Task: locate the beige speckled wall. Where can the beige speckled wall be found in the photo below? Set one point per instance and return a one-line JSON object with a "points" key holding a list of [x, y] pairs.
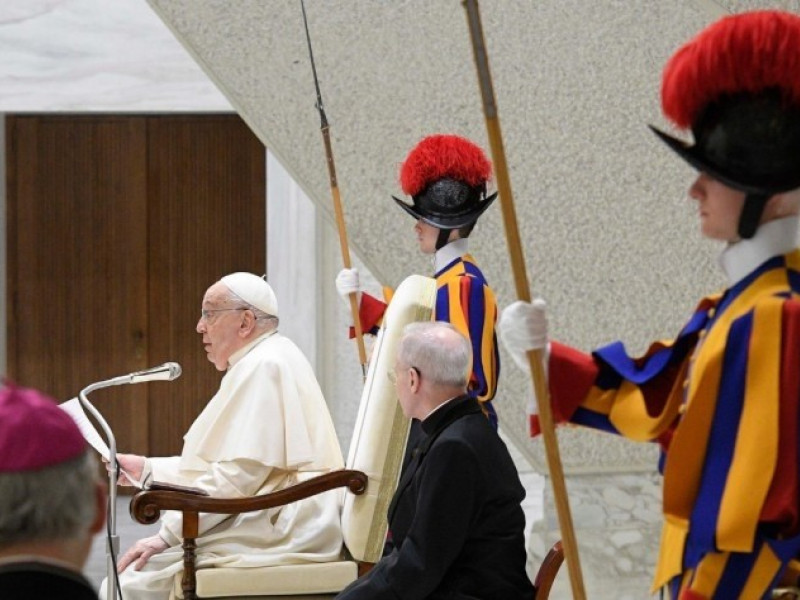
{"points": [[611, 238]]}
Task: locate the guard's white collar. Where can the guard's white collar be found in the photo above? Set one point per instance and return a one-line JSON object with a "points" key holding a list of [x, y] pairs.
{"points": [[448, 253], [774, 238]]}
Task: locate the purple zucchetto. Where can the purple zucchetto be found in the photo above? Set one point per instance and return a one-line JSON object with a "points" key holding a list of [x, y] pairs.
{"points": [[34, 432]]}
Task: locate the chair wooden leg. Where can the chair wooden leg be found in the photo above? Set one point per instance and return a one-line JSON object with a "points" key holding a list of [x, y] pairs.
{"points": [[190, 531], [548, 571]]}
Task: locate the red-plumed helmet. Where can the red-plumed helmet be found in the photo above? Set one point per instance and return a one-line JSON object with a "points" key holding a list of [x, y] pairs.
{"points": [[446, 177], [737, 86]]}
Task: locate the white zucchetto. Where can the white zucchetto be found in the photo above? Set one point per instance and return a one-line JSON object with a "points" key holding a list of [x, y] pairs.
{"points": [[254, 290]]}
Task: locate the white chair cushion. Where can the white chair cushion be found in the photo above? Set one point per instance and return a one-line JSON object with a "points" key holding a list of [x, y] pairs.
{"points": [[309, 578]]}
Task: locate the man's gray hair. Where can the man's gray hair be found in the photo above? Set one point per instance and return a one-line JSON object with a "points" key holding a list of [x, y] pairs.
{"points": [[444, 359], [51, 504], [262, 319]]}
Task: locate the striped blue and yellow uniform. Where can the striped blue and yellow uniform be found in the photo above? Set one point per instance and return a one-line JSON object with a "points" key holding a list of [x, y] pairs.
{"points": [[464, 299], [722, 401]]}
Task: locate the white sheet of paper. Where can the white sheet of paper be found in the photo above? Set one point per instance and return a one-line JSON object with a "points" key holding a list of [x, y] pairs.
{"points": [[74, 409]]}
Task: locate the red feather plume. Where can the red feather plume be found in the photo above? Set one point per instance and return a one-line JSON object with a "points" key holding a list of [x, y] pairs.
{"points": [[439, 156], [749, 52]]}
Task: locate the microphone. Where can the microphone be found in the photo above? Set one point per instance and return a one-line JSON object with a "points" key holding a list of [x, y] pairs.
{"points": [[169, 371]]}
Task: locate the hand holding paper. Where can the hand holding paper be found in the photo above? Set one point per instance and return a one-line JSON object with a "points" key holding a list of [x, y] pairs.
{"points": [[74, 409], [132, 467]]}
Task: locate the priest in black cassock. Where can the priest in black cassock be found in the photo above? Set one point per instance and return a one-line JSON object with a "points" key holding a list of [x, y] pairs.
{"points": [[456, 521]]}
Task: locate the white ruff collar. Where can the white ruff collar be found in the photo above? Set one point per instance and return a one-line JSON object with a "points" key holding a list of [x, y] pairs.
{"points": [[774, 238], [448, 253]]}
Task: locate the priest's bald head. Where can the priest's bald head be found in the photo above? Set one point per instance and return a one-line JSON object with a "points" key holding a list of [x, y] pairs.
{"points": [[52, 500], [432, 366], [236, 310]]}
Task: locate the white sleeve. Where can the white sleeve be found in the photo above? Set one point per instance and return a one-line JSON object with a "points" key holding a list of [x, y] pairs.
{"points": [[164, 469]]}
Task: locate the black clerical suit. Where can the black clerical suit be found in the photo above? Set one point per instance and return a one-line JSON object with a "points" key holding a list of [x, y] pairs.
{"points": [[456, 521], [42, 581]]}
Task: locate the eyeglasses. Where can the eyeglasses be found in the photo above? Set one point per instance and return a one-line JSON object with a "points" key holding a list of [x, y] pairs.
{"points": [[205, 314]]}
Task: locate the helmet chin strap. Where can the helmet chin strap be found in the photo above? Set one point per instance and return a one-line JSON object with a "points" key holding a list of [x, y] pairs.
{"points": [[751, 214], [443, 238]]}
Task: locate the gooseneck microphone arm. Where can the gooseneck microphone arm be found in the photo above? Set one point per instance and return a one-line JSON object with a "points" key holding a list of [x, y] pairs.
{"points": [[166, 372]]}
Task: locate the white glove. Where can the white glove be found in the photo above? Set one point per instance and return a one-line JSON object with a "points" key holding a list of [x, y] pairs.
{"points": [[347, 282], [523, 327]]}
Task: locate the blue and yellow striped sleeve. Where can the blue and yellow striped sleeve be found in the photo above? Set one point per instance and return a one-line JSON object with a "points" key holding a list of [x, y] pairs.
{"points": [[638, 398]]}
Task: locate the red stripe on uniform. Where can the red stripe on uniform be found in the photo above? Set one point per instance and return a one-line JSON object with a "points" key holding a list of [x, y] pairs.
{"points": [[781, 504]]}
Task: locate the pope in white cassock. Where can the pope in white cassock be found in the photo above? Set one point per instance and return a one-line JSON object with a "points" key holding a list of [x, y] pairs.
{"points": [[266, 428]]}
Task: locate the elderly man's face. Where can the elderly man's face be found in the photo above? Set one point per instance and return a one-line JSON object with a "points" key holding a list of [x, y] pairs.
{"points": [[219, 325]]}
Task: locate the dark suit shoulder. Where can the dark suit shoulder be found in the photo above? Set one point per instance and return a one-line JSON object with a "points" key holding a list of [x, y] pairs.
{"points": [[43, 581]]}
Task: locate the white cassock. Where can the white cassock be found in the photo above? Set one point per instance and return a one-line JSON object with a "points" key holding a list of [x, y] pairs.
{"points": [[267, 428]]}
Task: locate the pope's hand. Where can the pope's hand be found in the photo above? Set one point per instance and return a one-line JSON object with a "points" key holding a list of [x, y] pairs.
{"points": [[523, 327], [133, 465], [347, 282], [141, 552]]}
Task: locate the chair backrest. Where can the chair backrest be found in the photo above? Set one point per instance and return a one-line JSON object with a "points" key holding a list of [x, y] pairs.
{"points": [[381, 431]]}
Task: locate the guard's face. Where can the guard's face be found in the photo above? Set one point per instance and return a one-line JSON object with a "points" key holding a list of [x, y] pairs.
{"points": [[219, 325], [426, 237], [719, 208]]}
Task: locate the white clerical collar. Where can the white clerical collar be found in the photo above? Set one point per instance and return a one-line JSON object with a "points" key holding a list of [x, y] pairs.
{"points": [[774, 238], [445, 403], [239, 354], [448, 253]]}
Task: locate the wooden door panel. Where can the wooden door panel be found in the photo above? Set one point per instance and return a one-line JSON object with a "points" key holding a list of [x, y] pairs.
{"points": [[77, 260]]}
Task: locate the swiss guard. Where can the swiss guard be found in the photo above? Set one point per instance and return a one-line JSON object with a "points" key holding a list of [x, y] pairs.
{"points": [[446, 177], [722, 398]]}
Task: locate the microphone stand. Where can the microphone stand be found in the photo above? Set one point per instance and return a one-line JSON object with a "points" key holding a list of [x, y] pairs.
{"points": [[112, 547], [166, 372]]}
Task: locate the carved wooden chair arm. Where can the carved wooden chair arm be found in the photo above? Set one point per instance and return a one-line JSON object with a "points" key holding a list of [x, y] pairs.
{"points": [[547, 572], [147, 505]]}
